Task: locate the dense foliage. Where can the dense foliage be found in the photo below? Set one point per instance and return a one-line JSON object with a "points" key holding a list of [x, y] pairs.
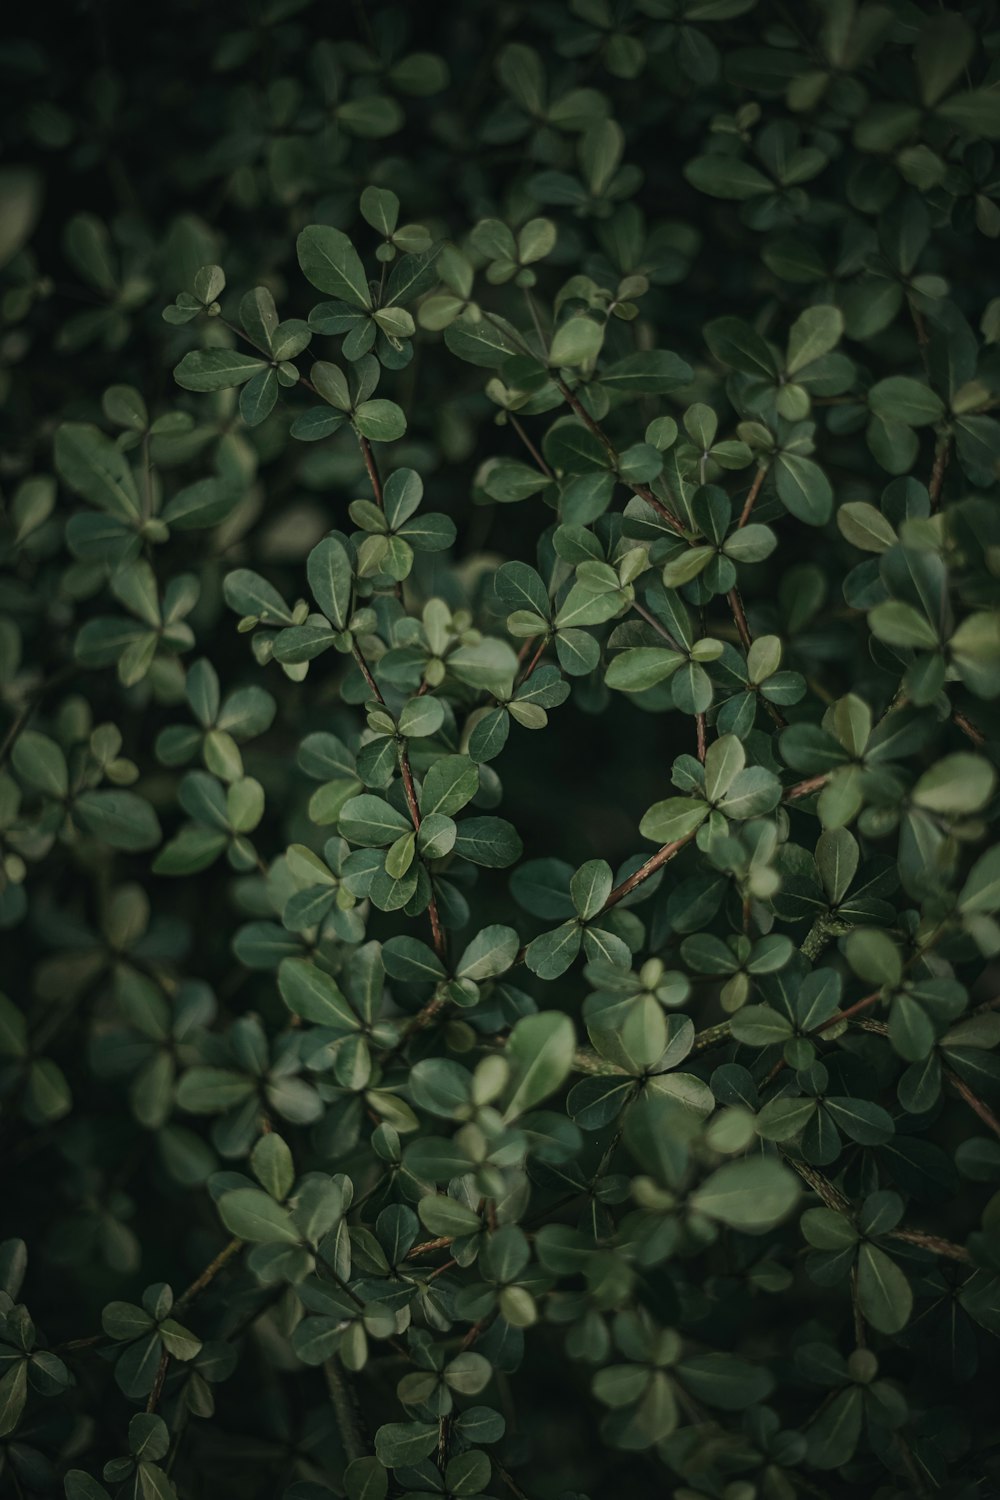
{"points": [[498, 751]]}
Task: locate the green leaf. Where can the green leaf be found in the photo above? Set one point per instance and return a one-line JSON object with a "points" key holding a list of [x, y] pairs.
{"points": [[490, 842], [331, 263], [865, 527], [446, 1216], [652, 372], [753, 1195], [13, 1396], [40, 763], [216, 369], [900, 398], [976, 112], [97, 469], [311, 993], [676, 818], [735, 343], [899, 624], [253, 1215], [874, 956], [551, 954], [942, 52], [401, 1444], [883, 1291], [380, 209], [726, 177], [724, 760], [121, 819], [960, 783], [372, 822], [590, 887], [451, 782], [329, 571], [382, 421], [486, 342], [642, 667], [540, 1054], [576, 342], [492, 951], [803, 489], [981, 892], [813, 334]]}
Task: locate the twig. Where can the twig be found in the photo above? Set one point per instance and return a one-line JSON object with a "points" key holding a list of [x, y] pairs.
{"points": [[710, 1036], [534, 661], [931, 1242], [973, 1100], [526, 440], [831, 1196], [642, 490], [509, 1481], [209, 1274], [807, 787], [428, 1246], [942, 454], [739, 615], [655, 862], [751, 498], [159, 1381], [372, 467], [841, 1015], [965, 724]]}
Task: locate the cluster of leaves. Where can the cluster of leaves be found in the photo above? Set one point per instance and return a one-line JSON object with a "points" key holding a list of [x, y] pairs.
{"points": [[498, 770]]}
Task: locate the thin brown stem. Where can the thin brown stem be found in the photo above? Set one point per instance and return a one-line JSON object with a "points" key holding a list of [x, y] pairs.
{"points": [[373, 474], [822, 1186], [842, 1015], [534, 660], [509, 1481], [965, 724], [942, 454], [209, 1274], [846, 1015], [751, 498], [807, 787], [655, 862], [526, 440], [654, 622], [702, 733], [931, 1242], [739, 616], [711, 1036], [365, 671], [973, 1100], [427, 1247], [159, 1381], [642, 490]]}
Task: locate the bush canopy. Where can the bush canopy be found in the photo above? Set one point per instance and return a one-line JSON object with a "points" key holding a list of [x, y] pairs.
{"points": [[499, 675]]}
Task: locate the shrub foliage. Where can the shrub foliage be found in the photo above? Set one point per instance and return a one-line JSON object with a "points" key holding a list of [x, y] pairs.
{"points": [[498, 763]]}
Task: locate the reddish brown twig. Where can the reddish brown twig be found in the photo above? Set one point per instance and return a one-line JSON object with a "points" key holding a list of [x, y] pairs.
{"points": [[973, 1100], [751, 498], [372, 467], [655, 862]]}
